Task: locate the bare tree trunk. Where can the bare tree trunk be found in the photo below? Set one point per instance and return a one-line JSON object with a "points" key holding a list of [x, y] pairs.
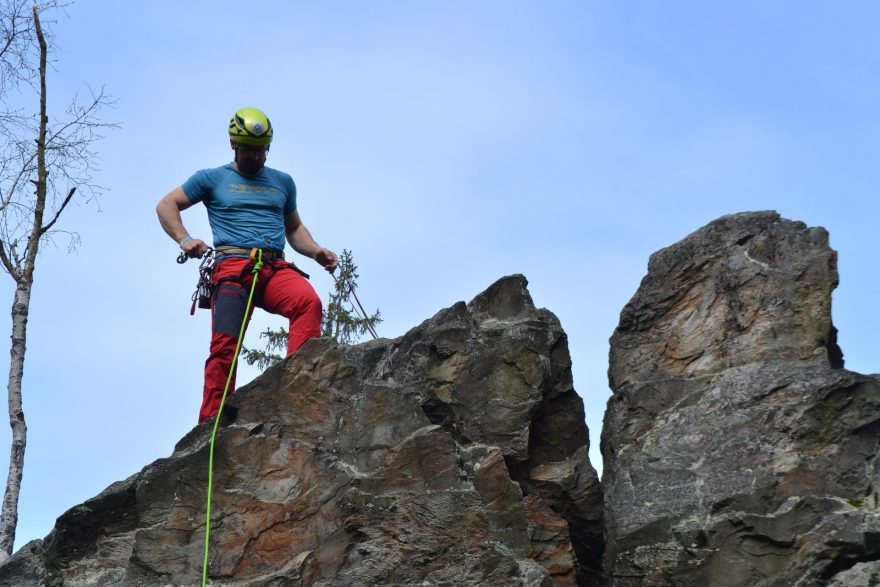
{"points": [[20, 309], [24, 280]]}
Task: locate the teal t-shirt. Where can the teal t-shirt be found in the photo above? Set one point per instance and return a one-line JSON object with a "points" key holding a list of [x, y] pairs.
{"points": [[244, 211]]}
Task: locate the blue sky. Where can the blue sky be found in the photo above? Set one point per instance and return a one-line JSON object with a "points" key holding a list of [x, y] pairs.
{"points": [[446, 144]]}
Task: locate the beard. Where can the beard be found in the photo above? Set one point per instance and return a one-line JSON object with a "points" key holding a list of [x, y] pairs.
{"points": [[249, 165]]}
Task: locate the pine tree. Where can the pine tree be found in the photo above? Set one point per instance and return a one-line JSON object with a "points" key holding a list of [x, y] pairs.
{"points": [[276, 343], [340, 321]]}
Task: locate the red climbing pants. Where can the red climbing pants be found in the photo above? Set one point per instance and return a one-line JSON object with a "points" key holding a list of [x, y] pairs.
{"points": [[280, 290]]}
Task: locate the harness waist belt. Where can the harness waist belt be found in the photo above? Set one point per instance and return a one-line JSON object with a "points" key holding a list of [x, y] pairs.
{"points": [[268, 254]]}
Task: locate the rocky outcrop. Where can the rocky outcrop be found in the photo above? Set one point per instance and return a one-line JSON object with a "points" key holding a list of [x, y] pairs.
{"points": [[453, 455], [737, 449]]}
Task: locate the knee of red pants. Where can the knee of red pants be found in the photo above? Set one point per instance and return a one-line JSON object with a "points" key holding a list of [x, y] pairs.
{"points": [[306, 325], [291, 295]]}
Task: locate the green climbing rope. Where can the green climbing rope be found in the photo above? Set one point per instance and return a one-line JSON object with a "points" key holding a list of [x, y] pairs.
{"points": [[258, 264]]}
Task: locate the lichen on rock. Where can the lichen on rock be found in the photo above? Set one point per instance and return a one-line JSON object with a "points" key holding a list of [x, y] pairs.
{"points": [[737, 450]]}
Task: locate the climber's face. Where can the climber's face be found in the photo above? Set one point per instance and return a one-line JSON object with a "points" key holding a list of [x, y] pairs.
{"points": [[249, 159]]}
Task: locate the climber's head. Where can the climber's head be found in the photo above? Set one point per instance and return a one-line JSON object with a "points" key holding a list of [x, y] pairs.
{"points": [[250, 134]]}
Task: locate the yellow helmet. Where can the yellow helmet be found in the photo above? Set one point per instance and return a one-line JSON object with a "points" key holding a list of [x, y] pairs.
{"points": [[250, 126]]}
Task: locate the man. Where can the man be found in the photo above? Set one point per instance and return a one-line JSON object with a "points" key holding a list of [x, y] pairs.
{"points": [[249, 206]]}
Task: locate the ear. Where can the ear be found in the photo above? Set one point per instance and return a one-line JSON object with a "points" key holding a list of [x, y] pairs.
{"points": [[232, 144]]}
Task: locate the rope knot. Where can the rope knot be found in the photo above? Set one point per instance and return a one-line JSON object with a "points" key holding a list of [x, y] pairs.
{"points": [[257, 260]]}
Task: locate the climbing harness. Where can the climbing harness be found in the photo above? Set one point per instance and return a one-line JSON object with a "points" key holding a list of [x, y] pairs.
{"points": [[204, 288]]}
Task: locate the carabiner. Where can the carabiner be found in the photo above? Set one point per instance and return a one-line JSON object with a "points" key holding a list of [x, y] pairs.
{"points": [[182, 258]]}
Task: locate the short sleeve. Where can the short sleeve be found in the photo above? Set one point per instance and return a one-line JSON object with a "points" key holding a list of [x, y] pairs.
{"points": [[290, 202], [198, 187]]}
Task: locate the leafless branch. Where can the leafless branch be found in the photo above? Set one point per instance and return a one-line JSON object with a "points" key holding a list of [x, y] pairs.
{"points": [[46, 228], [26, 170], [17, 42], [69, 158], [73, 240], [7, 264], [16, 36]]}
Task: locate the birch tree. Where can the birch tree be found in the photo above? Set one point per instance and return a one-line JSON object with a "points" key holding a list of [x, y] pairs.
{"points": [[46, 163]]}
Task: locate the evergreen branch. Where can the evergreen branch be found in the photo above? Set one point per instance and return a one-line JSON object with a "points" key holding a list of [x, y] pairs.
{"points": [[341, 320]]}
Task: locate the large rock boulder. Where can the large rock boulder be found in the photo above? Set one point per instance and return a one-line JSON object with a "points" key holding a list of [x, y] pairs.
{"points": [[453, 455], [737, 450]]}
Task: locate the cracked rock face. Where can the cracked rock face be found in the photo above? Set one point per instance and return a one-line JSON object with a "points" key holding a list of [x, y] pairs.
{"points": [[453, 455], [737, 450]]}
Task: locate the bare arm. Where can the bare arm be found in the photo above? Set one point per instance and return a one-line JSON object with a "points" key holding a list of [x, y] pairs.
{"points": [[302, 242], [169, 209]]}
